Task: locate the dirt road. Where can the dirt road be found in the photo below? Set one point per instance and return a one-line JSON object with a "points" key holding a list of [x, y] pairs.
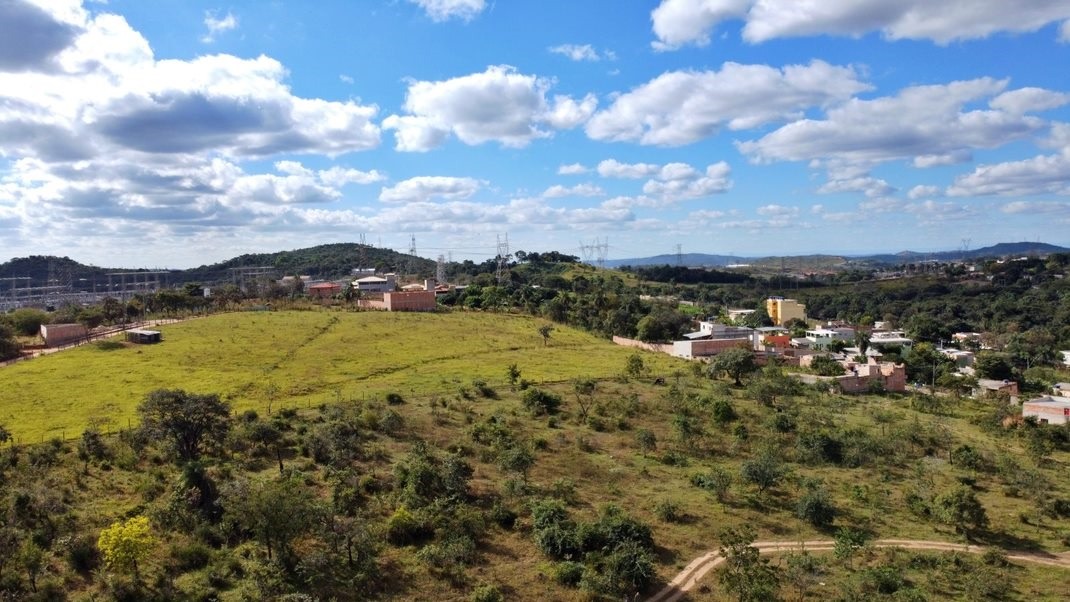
{"points": [[699, 567]]}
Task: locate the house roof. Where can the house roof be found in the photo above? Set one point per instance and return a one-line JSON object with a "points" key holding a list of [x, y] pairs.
{"points": [[995, 385], [1047, 400], [324, 285], [370, 280]]}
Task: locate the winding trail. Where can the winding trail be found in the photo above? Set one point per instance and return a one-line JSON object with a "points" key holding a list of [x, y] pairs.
{"points": [[688, 578]]}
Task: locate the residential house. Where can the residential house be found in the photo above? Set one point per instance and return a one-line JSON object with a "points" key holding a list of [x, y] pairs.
{"points": [[883, 341], [1048, 410], [821, 338], [738, 315], [782, 310], [323, 290], [376, 284], [713, 338], [989, 388]]}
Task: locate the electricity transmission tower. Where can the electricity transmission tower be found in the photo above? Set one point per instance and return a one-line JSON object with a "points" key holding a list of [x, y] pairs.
{"points": [[503, 258]]}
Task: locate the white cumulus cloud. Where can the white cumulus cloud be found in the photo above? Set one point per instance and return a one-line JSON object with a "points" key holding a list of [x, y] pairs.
{"points": [[217, 25], [583, 190], [611, 168], [572, 169], [681, 107], [423, 189], [444, 10], [678, 23], [499, 105]]}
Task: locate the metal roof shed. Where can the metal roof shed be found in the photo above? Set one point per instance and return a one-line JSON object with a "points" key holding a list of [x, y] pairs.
{"points": [[144, 337]]}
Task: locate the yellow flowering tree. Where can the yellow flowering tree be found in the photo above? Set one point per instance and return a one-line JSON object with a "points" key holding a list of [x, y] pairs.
{"points": [[125, 543]]}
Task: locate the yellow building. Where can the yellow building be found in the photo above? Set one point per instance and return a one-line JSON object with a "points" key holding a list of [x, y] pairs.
{"points": [[781, 310]]}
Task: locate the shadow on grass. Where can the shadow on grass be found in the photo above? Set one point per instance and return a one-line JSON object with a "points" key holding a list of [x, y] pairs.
{"points": [[1009, 542]]}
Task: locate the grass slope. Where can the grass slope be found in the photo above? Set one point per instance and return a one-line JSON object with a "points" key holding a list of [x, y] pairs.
{"points": [[297, 359]]}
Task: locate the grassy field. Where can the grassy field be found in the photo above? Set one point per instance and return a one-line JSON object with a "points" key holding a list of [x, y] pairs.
{"points": [[298, 359], [327, 362]]}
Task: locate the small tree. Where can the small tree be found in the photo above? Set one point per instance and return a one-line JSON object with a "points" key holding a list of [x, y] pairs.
{"points": [[733, 362], [189, 422], [763, 472], [5, 435], [746, 574], [849, 541], [276, 512], [125, 543], [513, 373], [961, 509], [539, 402], [646, 439], [815, 507], [32, 558], [635, 366], [544, 332], [584, 389]]}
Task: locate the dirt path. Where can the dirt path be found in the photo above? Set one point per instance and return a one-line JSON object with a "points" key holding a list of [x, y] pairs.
{"points": [[699, 567]]}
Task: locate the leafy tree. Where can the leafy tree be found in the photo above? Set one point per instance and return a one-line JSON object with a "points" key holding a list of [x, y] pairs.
{"points": [[32, 558], [5, 435], [513, 373], [9, 347], [734, 362], [646, 439], [763, 471], [723, 411], [544, 332], [275, 512], [91, 446], [189, 422], [661, 324], [848, 541], [961, 509], [717, 481], [825, 365], [27, 321], [746, 574], [125, 543], [539, 402], [584, 389], [815, 507], [996, 366], [635, 366]]}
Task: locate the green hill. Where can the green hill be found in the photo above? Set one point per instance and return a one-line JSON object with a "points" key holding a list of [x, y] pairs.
{"points": [[388, 458]]}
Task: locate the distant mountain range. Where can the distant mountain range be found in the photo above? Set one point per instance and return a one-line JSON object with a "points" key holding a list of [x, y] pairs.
{"points": [[1005, 249], [336, 260]]}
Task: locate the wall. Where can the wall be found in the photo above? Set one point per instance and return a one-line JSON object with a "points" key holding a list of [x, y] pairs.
{"points": [[410, 301], [655, 347]]}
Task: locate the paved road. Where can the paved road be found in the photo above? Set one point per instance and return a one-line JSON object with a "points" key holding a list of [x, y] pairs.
{"points": [[688, 578]]}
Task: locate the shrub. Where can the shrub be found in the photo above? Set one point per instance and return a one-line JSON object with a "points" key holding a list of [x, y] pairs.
{"points": [[568, 573], [539, 402], [646, 440], [668, 511], [192, 556], [404, 528], [394, 399], [816, 508], [486, 593], [724, 412]]}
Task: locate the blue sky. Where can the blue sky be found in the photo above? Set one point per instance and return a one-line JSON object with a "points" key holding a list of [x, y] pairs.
{"points": [[172, 133]]}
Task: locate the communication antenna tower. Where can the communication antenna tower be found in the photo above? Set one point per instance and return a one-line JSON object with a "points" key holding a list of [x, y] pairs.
{"points": [[503, 257], [966, 246], [440, 270], [412, 254], [679, 254]]}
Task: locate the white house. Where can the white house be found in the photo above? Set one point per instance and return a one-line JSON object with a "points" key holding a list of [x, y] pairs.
{"points": [[1048, 410], [376, 284]]}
